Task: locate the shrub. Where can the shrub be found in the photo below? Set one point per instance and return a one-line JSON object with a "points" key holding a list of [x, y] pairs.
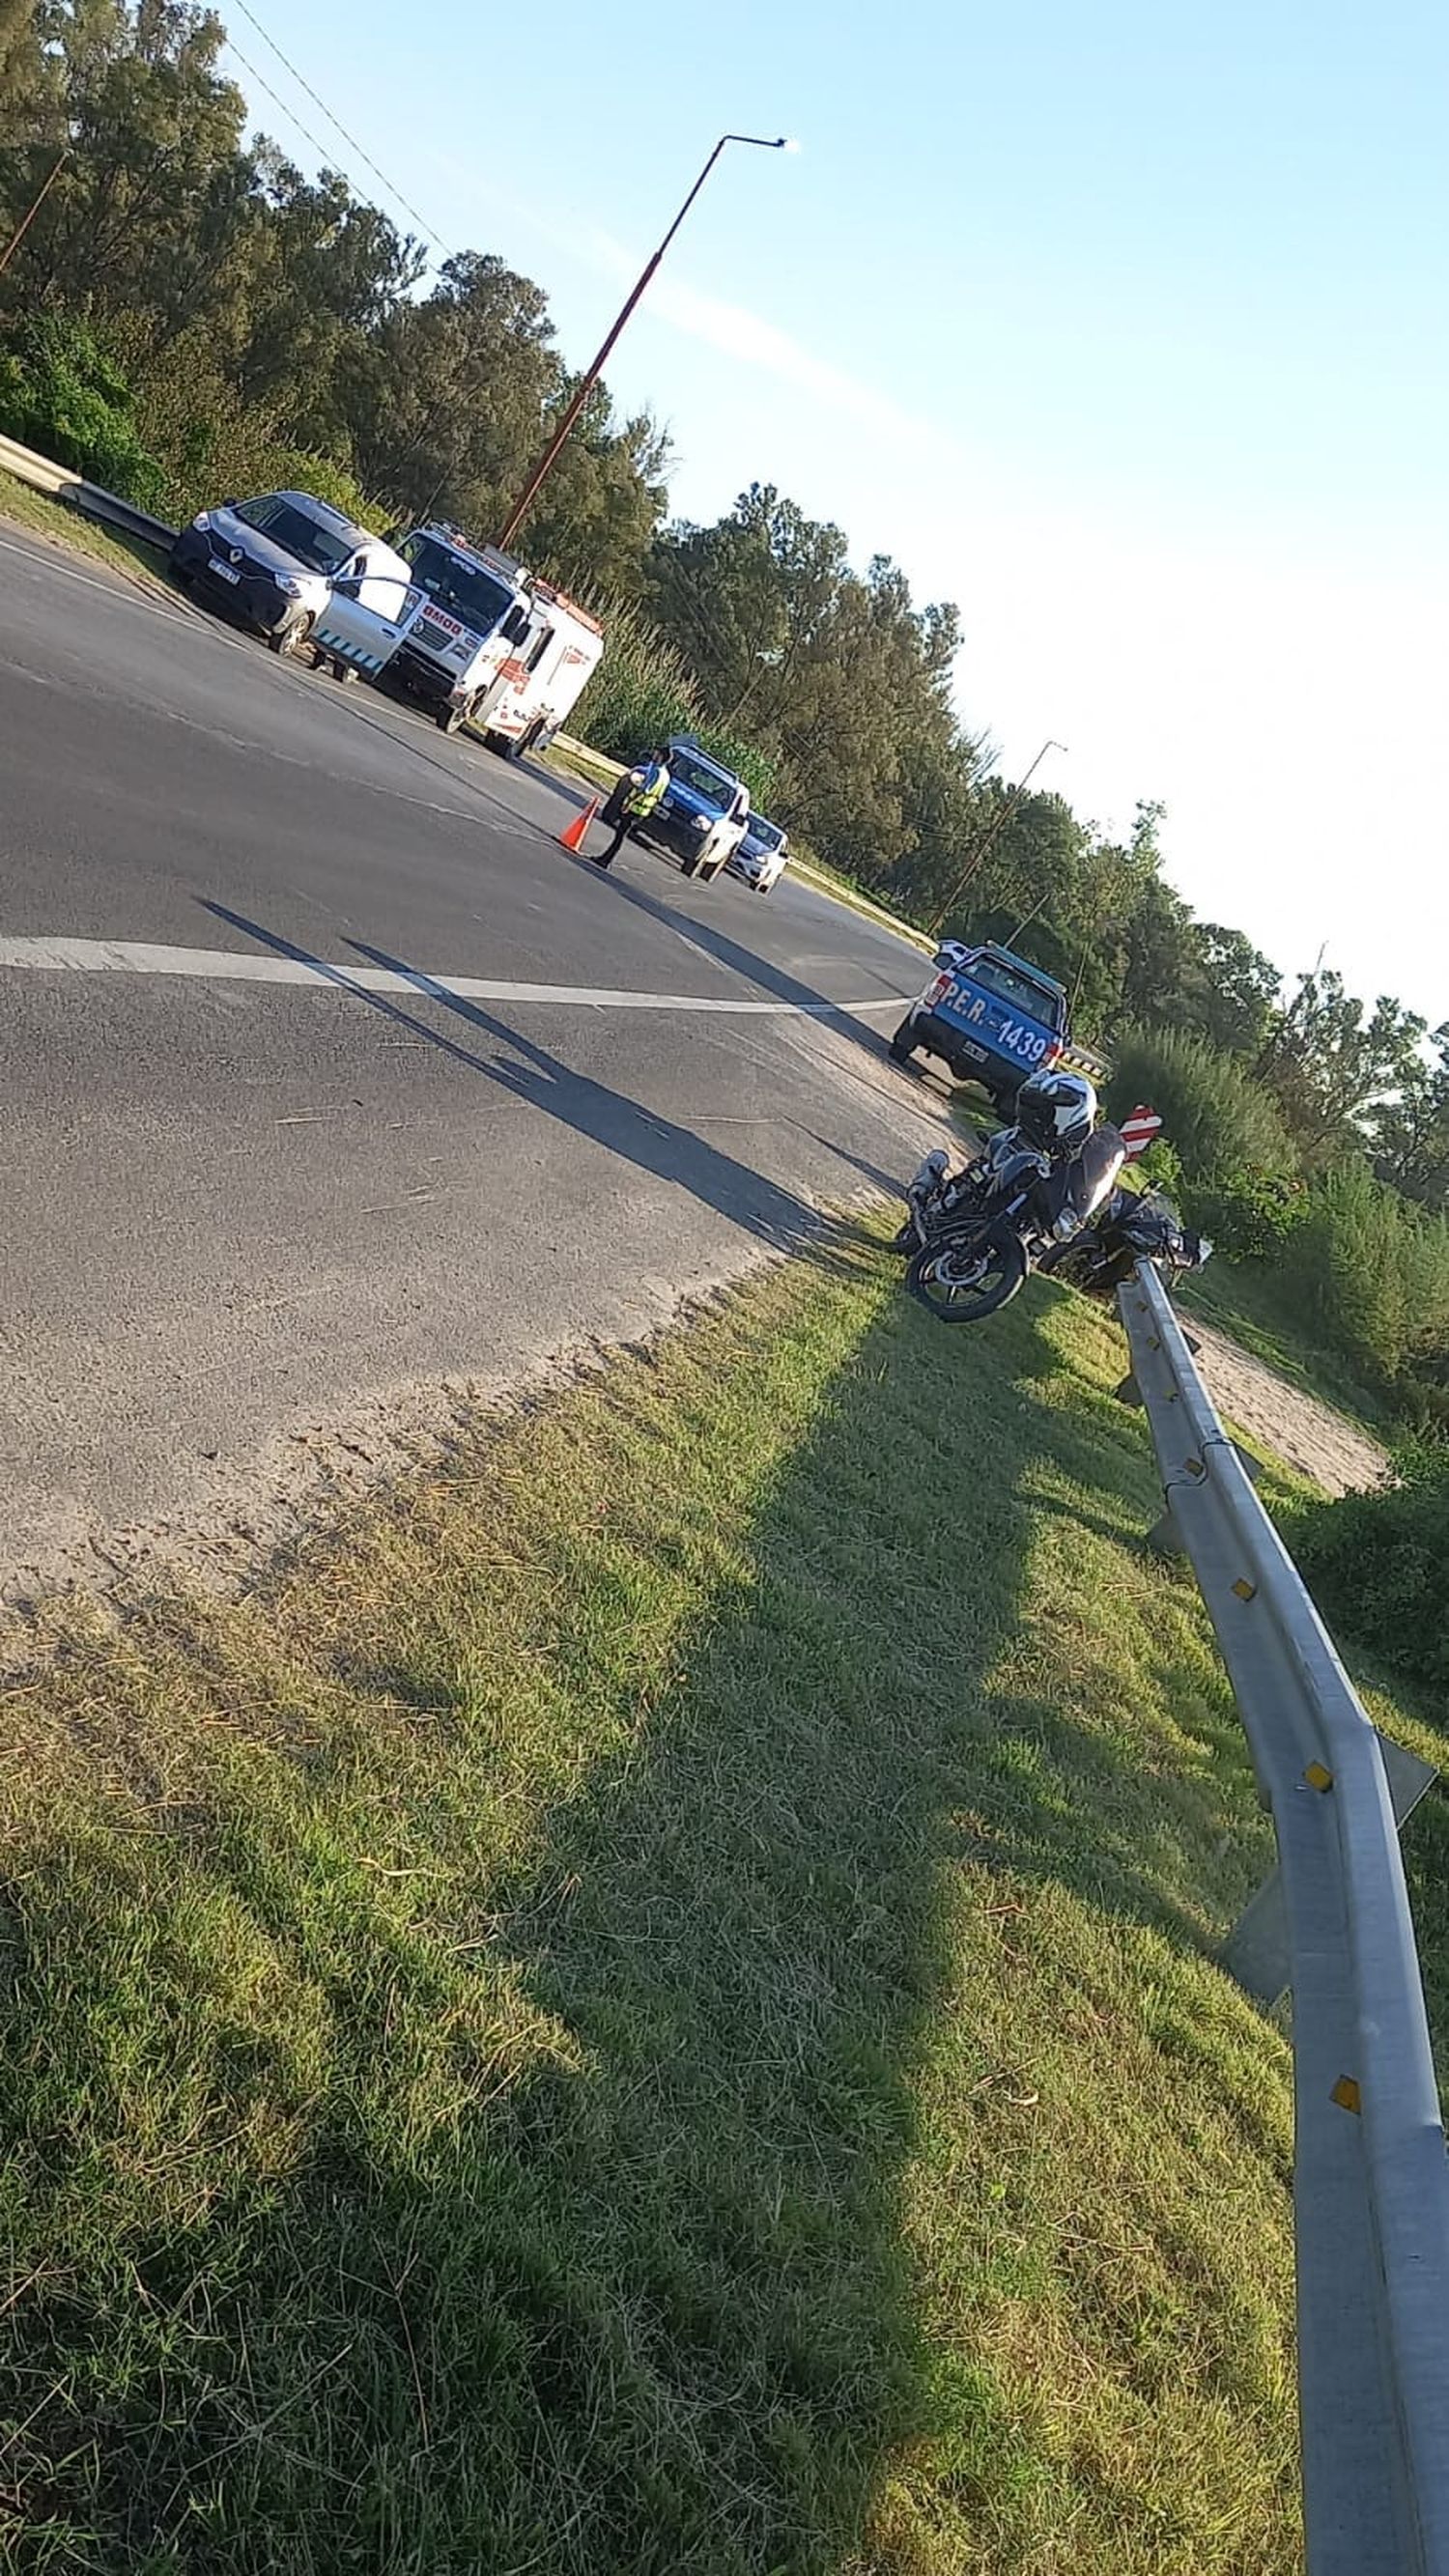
{"points": [[643, 691], [1376, 1565], [1373, 1271], [1218, 1119], [62, 392], [640, 693], [1246, 1213], [210, 446]]}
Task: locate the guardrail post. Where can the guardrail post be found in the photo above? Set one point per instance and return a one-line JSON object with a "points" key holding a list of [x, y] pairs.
{"points": [[1255, 1952]]}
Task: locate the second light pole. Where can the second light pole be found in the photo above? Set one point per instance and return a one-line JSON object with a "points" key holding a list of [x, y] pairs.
{"points": [[591, 375], [982, 847]]}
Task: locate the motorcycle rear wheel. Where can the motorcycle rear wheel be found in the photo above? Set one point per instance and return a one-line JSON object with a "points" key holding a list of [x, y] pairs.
{"points": [[969, 1275]]}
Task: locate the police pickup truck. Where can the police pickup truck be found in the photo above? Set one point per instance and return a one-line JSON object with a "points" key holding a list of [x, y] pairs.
{"points": [[992, 1017], [703, 814]]}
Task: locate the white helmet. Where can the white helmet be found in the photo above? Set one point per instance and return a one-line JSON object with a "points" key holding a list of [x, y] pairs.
{"points": [[1056, 1112]]}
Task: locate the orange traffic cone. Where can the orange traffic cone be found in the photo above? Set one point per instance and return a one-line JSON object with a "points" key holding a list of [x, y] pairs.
{"points": [[572, 836]]}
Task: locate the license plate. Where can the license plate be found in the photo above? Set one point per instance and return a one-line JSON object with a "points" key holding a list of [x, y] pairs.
{"points": [[976, 1053], [224, 572]]}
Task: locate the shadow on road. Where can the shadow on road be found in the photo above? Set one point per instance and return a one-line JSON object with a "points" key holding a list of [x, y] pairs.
{"points": [[654, 1144], [754, 969]]}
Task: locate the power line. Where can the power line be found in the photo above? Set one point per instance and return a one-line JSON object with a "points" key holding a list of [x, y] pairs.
{"points": [[349, 139]]}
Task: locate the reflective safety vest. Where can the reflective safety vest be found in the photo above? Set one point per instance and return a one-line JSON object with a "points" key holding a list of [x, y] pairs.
{"points": [[641, 800]]}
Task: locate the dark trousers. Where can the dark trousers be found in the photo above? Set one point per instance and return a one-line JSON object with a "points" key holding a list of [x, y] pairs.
{"points": [[606, 858]]}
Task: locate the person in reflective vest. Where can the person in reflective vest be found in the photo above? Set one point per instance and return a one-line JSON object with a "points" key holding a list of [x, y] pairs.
{"points": [[636, 795]]}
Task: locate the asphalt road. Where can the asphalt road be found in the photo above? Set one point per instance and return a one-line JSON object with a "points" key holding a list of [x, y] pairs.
{"points": [[260, 1219]]}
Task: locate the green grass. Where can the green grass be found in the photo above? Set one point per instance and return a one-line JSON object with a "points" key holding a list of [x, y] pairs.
{"points": [[1249, 1301], [649, 2004], [63, 526], [576, 760]]}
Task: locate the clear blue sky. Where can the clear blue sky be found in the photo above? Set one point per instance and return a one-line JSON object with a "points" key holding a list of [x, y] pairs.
{"points": [[1123, 326]]}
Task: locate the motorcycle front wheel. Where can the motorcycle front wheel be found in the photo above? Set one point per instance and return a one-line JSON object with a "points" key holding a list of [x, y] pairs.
{"points": [[968, 1275]]}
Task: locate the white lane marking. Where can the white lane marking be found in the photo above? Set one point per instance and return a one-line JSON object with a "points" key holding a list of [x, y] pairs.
{"points": [[142, 957]]}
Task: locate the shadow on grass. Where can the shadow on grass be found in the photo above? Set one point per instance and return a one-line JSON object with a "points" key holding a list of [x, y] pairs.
{"points": [[482, 2146]]}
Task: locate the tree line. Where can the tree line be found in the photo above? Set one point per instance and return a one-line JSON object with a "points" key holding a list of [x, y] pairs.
{"points": [[185, 313]]}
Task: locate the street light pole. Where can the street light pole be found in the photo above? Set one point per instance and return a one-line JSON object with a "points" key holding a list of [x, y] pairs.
{"points": [[992, 834], [33, 209], [580, 395]]}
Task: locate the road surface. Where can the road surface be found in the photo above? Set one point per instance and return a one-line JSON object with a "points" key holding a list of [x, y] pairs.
{"points": [[332, 1089]]}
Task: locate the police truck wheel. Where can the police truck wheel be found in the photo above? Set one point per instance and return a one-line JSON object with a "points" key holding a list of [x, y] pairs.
{"points": [[689, 867], [903, 1044]]}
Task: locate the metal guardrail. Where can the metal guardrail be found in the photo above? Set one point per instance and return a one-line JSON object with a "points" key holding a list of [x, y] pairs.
{"points": [[1371, 2182], [92, 499]]}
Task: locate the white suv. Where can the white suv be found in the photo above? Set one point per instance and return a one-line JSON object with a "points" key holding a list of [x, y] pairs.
{"points": [[761, 856]]}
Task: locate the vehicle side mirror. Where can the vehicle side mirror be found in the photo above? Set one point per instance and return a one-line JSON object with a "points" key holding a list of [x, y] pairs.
{"points": [[515, 624], [230, 502]]}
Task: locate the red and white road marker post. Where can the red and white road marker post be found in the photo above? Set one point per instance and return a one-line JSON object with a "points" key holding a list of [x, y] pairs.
{"points": [[1139, 1129]]}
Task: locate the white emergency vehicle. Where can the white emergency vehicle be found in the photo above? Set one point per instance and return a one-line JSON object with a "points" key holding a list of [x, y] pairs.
{"points": [[543, 682], [470, 635]]}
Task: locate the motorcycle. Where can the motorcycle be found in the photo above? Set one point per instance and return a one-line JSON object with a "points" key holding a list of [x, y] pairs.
{"points": [[975, 1235], [1132, 1226]]}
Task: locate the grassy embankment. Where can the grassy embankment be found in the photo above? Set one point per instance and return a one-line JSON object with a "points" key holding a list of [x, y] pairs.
{"points": [[649, 2004], [45, 516]]}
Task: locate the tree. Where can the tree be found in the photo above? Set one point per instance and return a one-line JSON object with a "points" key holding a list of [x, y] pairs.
{"points": [[1332, 1064], [17, 37], [449, 401], [840, 677], [1411, 1130], [148, 123], [1229, 991], [594, 523]]}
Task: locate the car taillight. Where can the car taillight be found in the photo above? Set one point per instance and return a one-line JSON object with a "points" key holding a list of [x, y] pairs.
{"points": [[1054, 1053], [941, 986]]}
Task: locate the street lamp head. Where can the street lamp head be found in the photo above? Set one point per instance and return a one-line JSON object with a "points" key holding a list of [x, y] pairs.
{"points": [[787, 143], [764, 142]]}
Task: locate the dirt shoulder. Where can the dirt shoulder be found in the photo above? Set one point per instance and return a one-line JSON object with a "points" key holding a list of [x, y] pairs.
{"points": [[1304, 1431]]}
